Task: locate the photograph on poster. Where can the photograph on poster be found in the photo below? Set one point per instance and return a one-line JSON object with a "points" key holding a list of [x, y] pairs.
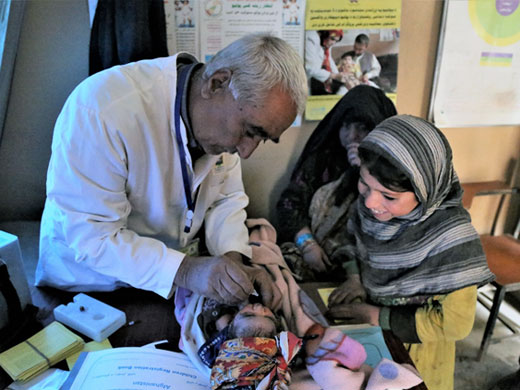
{"points": [[347, 44], [338, 60]]}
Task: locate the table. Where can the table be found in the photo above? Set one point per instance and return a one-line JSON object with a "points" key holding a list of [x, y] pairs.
{"points": [[154, 320], [394, 344]]}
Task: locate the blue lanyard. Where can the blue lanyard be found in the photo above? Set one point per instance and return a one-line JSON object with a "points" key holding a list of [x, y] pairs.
{"points": [[181, 80]]}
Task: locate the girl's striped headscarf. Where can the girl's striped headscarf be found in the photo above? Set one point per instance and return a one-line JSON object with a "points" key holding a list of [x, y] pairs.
{"points": [[432, 250]]}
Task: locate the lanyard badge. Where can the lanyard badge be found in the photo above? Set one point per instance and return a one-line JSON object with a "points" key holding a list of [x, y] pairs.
{"points": [[181, 80]]}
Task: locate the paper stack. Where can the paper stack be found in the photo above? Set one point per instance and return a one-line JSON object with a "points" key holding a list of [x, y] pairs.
{"points": [[41, 351]]}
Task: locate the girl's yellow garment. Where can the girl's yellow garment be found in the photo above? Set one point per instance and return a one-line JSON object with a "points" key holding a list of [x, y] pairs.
{"points": [[439, 326]]}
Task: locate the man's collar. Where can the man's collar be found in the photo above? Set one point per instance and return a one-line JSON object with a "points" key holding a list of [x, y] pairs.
{"points": [[195, 149]]}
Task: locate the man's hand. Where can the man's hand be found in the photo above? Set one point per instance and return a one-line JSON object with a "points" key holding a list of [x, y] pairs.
{"points": [[315, 257], [355, 313], [221, 278], [350, 291], [227, 280], [264, 285]]}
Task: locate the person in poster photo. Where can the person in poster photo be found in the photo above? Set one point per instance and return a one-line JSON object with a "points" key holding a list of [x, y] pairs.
{"points": [[322, 74]]}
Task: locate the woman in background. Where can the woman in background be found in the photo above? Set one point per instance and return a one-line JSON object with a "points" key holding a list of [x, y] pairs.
{"points": [[312, 227]]}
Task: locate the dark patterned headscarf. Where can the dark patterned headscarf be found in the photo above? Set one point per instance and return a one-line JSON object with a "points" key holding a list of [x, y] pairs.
{"points": [[432, 250]]}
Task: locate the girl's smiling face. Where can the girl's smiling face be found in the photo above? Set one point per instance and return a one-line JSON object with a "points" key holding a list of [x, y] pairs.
{"points": [[384, 204]]}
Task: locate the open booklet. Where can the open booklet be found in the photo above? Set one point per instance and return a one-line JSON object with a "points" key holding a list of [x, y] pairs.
{"points": [[370, 336], [134, 368], [372, 339]]}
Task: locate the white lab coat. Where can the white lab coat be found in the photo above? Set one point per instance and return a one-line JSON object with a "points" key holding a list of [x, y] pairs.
{"points": [[314, 56], [115, 208]]}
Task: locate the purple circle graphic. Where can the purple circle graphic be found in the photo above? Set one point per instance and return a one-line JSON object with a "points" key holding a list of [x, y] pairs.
{"points": [[506, 7], [388, 371]]}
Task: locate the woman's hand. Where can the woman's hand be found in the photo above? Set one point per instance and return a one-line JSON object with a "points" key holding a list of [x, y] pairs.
{"points": [[355, 313], [350, 291], [314, 255]]}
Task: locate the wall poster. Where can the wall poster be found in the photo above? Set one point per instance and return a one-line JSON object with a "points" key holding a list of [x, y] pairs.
{"points": [[349, 43], [477, 79], [203, 27]]}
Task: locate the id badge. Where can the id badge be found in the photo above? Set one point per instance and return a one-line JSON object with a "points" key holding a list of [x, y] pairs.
{"points": [[192, 249]]}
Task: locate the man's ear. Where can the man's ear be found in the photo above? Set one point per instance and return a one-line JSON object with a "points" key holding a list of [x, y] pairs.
{"points": [[218, 82]]}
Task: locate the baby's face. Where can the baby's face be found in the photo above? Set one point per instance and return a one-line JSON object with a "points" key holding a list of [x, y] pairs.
{"points": [[255, 320], [348, 61]]}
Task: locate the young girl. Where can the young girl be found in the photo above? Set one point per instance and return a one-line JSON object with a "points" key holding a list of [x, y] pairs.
{"points": [[417, 261], [351, 70]]}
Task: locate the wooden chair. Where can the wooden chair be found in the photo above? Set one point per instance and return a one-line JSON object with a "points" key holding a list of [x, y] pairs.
{"points": [[502, 253]]}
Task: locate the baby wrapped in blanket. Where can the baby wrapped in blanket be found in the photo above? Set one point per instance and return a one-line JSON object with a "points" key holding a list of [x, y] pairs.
{"points": [[249, 347]]}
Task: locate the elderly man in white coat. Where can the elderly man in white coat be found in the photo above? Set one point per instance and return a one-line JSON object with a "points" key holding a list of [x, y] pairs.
{"points": [[147, 155]]}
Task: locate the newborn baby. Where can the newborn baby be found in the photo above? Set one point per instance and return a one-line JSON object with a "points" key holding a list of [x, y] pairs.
{"points": [[248, 347], [252, 352]]}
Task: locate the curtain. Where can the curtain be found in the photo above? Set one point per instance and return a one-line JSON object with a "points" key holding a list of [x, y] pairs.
{"points": [[124, 31], [11, 16]]}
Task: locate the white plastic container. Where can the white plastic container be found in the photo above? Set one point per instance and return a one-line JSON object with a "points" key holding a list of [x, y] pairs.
{"points": [[90, 317]]}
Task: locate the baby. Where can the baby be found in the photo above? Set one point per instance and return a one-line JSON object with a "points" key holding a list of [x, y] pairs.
{"points": [[248, 347], [251, 350], [351, 72]]}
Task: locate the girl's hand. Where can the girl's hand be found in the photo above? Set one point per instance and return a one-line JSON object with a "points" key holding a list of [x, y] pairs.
{"points": [[350, 291]]}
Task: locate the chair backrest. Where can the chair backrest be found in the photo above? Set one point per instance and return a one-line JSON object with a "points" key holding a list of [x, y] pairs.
{"points": [[493, 188]]}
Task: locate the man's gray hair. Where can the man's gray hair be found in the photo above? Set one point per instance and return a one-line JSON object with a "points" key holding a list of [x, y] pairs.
{"points": [[259, 62]]}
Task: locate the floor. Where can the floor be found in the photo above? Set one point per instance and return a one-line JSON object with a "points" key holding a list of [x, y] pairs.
{"points": [[501, 359]]}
